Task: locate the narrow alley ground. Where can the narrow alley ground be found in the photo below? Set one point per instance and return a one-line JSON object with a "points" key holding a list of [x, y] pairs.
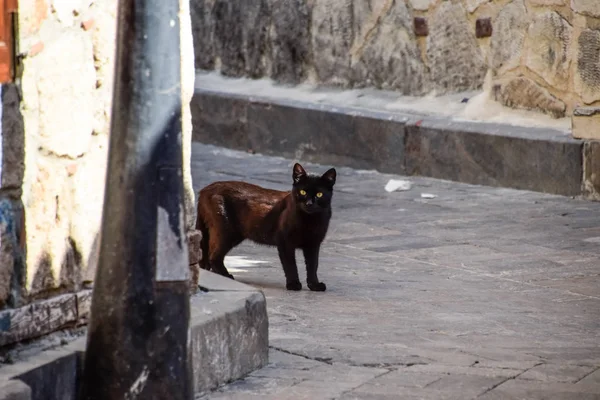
{"points": [[478, 292]]}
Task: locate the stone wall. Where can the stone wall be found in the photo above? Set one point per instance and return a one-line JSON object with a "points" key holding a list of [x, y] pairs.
{"points": [[55, 131], [542, 55]]}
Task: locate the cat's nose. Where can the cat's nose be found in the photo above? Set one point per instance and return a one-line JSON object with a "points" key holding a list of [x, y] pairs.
{"points": [[309, 202]]}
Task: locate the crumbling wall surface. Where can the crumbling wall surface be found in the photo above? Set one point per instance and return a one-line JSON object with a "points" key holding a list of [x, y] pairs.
{"points": [[66, 82], [541, 55], [55, 131]]}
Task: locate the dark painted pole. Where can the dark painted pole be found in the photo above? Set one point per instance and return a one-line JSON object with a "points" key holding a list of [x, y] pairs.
{"points": [[137, 335]]}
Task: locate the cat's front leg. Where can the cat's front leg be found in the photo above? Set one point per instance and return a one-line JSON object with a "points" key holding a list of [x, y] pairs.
{"points": [[287, 255], [311, 257]]}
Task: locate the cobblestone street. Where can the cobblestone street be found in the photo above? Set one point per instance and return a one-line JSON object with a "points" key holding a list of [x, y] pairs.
{"points": [[474, 292]]}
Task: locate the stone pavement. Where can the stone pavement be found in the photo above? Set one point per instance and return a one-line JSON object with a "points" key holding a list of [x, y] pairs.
{"points": [[477, 293]]}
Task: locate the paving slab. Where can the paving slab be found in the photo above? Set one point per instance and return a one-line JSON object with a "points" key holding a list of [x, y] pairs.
{"points": [[477, 292]]}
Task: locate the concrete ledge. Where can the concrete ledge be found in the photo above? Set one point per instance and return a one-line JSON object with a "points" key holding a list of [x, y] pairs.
{"points": [[537, 159], [228, 339]]}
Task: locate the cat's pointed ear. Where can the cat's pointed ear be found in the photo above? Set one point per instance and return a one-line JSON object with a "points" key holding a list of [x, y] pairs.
{"points": [[299, 173], [330, 176]]}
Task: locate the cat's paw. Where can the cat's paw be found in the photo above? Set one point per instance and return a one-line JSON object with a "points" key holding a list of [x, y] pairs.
{"points": [[317, 286], [295, 285]]}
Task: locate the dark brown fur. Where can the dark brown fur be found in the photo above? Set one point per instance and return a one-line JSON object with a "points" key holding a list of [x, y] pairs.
{"points": [[230, 212]]}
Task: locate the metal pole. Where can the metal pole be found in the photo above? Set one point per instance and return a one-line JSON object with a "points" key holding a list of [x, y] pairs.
{"points": [[138, 332]]}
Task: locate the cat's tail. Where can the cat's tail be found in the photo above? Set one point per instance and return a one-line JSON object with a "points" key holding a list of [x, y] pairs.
{"points": [[201, 226]]}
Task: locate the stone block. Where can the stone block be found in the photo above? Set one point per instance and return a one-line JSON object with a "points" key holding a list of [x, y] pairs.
{"points": [[66, 81], [495, 155], [203, 29], [525, 94], [387, 56], [464, 67], [57, 379], [332, 38], [220, 120], [12, 154], [229, 346], [324, 135], [591, 170], [586, 123], [37, 319], [506, 45], [587, 71], [290, 40], [194, 240], [14, 389], [547, 48], [591, 8], [299, 130]]}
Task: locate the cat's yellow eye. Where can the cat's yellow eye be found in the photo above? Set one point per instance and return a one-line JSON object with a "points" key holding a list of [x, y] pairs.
{"points": [[319, 195], [303, 193]]}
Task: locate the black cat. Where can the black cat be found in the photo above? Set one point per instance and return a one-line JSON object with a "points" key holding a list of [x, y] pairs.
{"points": [[230, 212]]}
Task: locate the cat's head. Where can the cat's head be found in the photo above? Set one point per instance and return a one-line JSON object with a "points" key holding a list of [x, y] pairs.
{"points": [[312, 193]]}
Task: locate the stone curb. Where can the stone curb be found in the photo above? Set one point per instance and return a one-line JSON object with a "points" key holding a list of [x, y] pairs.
{"points": [[228, 340], [537, 159]]}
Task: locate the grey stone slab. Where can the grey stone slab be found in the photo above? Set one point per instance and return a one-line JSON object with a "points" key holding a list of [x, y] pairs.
{"points": [[14, 390], [327, 135], [476, 369], [395, 381], [228, 336], [55, 380], [459, 152], [223, 121], [467, 385], [522, 389], [557, 373]]}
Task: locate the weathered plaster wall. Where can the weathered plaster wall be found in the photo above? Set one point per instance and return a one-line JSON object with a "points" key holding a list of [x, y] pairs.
{"points": [[542, 55], [55, 142]]}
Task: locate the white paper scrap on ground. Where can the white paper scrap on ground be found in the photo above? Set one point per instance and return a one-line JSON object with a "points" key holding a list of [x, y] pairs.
{"points": [[397, 185], [428, 196]]}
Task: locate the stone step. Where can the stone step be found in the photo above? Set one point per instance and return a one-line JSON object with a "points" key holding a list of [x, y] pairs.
{"points": [[228, 340], [546, 160]]}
